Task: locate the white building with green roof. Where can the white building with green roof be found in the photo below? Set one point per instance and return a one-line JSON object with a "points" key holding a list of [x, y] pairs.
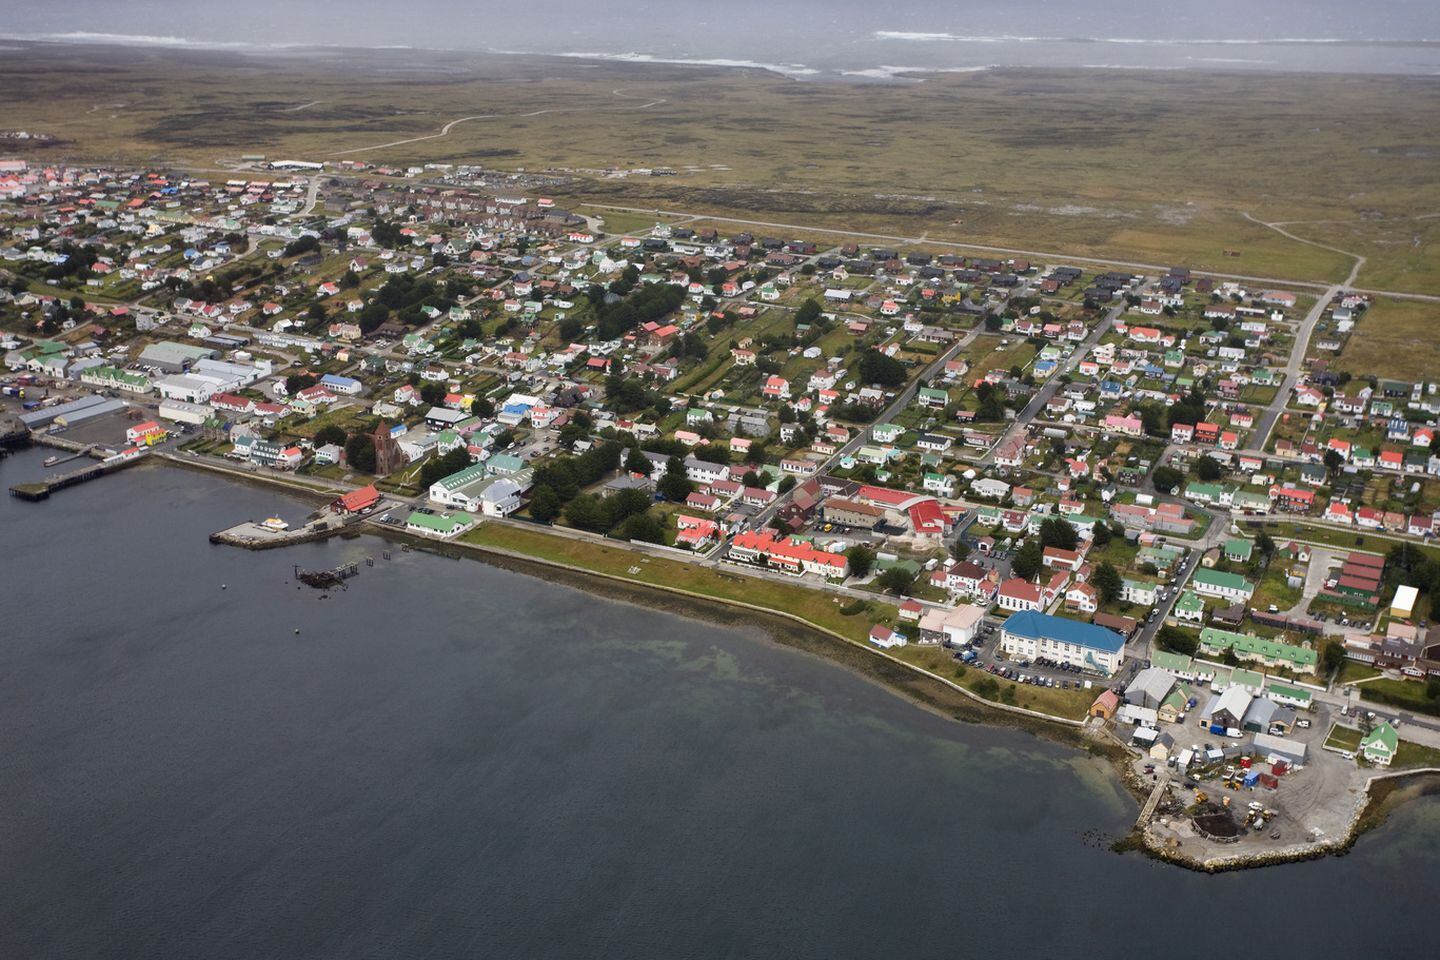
{"points": [[444, 526], [1218, 583], [1189, 608], [113, 378], [1380, 745], [1252, 649]]}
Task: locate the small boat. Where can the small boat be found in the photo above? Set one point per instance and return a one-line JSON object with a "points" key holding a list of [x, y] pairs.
{"points": [[51, 461]]}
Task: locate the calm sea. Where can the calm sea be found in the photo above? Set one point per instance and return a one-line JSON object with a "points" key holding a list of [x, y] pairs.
{"points": [[450, 760]]}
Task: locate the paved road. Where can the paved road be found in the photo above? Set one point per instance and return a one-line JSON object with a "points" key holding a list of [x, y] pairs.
{"points": [[1052, 386], [1261, 434], [901, 401]]}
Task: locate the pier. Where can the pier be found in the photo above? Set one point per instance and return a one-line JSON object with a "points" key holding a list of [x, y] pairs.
{"points": [[36, 492]]}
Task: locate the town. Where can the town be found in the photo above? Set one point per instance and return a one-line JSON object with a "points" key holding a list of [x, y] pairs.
{"points": [[1156, 505]]}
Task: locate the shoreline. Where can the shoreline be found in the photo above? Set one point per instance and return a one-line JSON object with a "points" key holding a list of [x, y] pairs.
{"points": [[926, 690], [1383, 792]]}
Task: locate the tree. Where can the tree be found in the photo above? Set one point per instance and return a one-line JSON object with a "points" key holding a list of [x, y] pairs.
{"points": [[1101, 535], [360, 452], [959, 549], [432, 393], [588, 512], [1208, 469], [643, 526], [296, 382], [1028, 560], [787, 483], [330, 433], [1107, 582], [1331, 656], [807, 312], [896, 580], [544, 504], [1167, 478], [1176, 640], [861, 558], [675, 485], [1058, 532], [437, 468], [303, 244], [1265, 545], [637, 462], [875, 367], [1333, 461]]}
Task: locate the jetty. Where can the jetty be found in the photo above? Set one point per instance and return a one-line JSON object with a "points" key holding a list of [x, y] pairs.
{"points": [[252, 535], [36, 492]]}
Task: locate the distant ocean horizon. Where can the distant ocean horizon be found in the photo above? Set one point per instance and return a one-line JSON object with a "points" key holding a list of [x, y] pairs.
{"points": [[846, 53]]}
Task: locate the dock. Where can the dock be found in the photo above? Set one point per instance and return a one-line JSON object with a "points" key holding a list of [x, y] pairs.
{"points": [[36, 492], [255, 536]]}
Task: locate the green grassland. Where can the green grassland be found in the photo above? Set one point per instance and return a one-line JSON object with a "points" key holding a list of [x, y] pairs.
{"points": [[1147, 167], [1395, 338]]}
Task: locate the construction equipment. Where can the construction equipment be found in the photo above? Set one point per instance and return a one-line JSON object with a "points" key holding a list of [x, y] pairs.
{"points": [[1200, 797]]}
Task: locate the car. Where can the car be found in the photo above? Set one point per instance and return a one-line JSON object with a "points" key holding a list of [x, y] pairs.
{"points": [[1303, 724]]}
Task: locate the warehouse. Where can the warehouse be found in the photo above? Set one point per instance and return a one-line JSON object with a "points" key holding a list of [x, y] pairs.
{"points": [[42, 418], [171, 357]]}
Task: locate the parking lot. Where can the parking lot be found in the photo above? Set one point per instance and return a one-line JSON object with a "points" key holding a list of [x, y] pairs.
{"points": [[984, 653]]}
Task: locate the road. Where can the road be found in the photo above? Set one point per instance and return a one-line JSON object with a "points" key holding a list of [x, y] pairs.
{"points": [[1052, 386], [1261, 434], [445, 130], [1048, 255], [901, 401]]}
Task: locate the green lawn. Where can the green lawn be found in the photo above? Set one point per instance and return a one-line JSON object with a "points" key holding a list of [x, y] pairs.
{"points": [[815, 606], [1414, 755], [1344, 738], [1350, 671], [1403, 694]]}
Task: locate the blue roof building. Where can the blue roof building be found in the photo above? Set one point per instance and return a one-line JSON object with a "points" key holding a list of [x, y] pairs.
{"points": [[1030, 634]]}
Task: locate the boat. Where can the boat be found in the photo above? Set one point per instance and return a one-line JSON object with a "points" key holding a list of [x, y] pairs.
{"points": [[51, 461]]}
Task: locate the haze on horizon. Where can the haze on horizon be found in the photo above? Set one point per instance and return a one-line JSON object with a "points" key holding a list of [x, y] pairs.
{"points": [[800, 37]]}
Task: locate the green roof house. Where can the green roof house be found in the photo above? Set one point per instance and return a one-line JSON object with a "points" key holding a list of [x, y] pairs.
{"points": [[1380, 744]]}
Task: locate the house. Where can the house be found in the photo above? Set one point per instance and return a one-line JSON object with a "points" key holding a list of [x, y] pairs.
{"points": [[1380, 744], [1105, 705], [956, 625], [1020, 595], [1138, 591], [1082, 597], [357, 501], [885, 638], [1226, 586], [1030, 634]]}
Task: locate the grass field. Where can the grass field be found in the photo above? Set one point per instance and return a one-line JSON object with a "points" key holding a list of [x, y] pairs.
{"points": [[1120, 164], [1344, 738], [814, 606], [1395, 338]]}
